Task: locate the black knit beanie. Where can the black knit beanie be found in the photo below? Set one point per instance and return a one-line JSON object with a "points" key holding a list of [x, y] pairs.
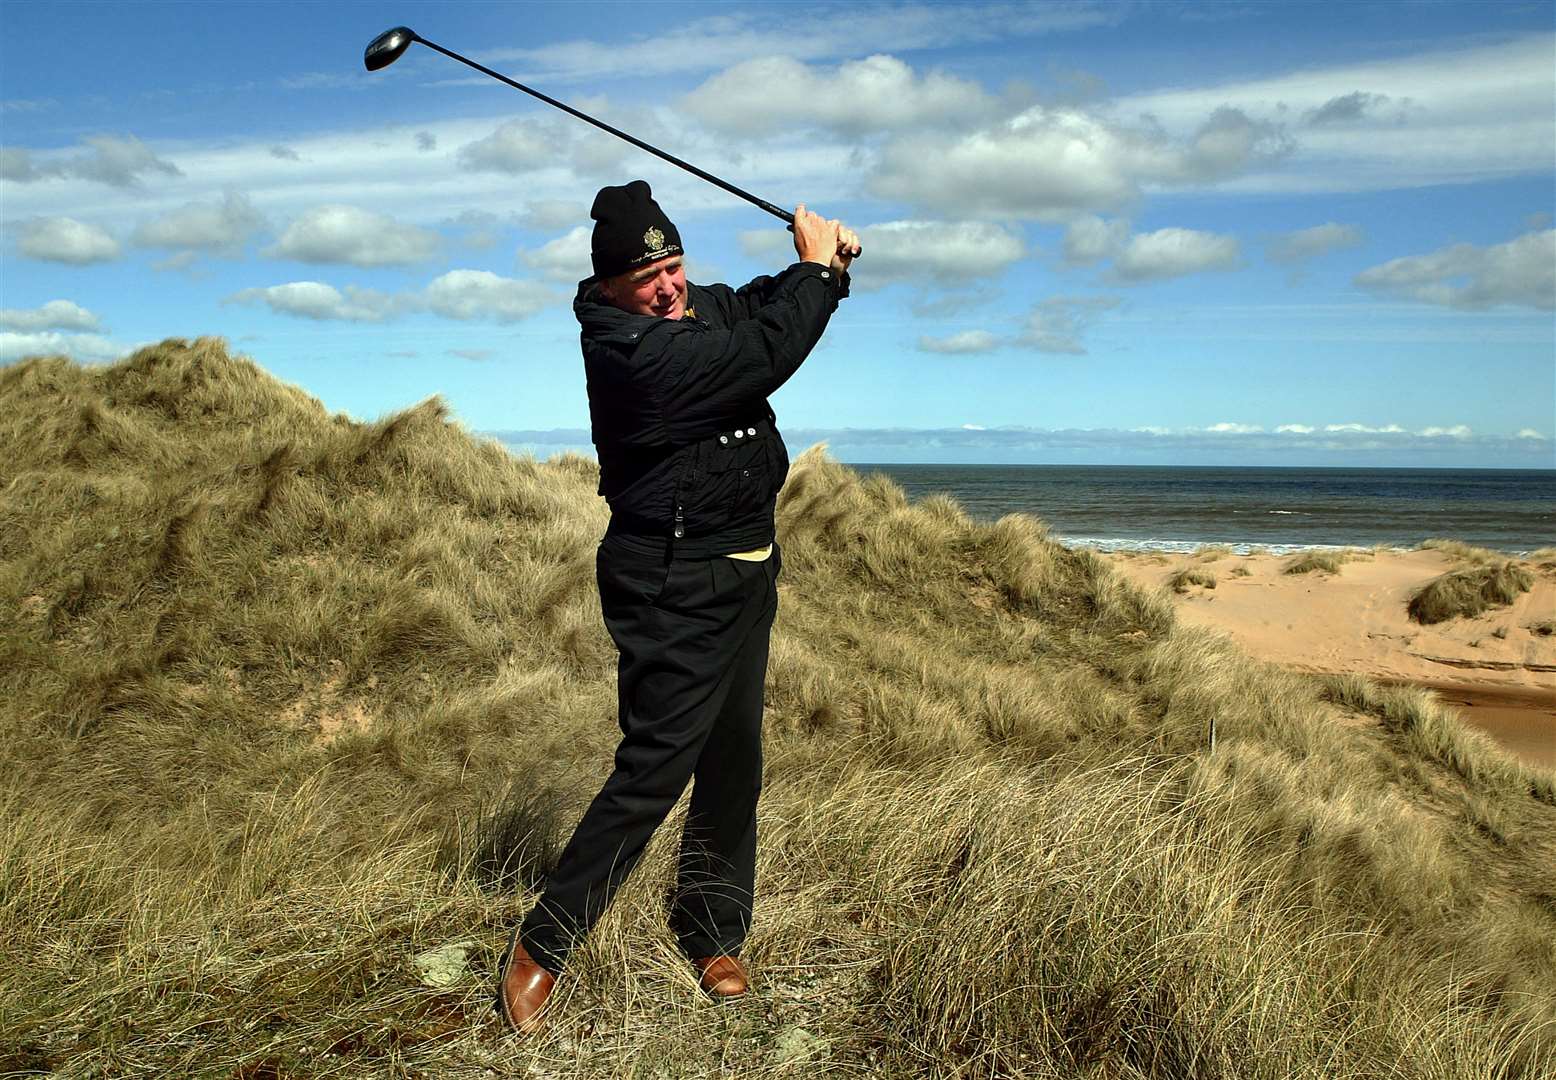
{"points": [[630, 230]]}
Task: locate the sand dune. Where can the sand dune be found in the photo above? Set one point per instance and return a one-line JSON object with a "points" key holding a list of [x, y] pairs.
{"points": [[1498, 668]]}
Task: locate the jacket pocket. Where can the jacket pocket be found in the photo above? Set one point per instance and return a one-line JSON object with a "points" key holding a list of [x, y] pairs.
{"points": [[738, 467]]}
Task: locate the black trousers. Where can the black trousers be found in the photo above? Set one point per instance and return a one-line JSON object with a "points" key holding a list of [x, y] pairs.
{"points": [[693, 636]]}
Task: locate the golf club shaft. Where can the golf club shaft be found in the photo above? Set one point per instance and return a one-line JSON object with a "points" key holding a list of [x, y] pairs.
{"points": [[776, 211]]}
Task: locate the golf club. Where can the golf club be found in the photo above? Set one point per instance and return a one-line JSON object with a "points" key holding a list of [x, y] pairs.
{"points": [[386, 48]]}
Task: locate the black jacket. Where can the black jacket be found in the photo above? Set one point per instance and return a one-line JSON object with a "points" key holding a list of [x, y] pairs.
{"points": [[689, 454]]}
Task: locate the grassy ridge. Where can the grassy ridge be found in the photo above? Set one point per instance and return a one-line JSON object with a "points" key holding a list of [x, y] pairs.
{"points": [[281, 688]]}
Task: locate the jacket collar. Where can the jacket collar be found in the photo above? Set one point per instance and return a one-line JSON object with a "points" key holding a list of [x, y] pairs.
{"points": [[603, 322]]}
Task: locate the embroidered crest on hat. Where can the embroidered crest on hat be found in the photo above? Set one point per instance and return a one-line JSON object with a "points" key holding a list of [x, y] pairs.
{"points": [[654, 240]]}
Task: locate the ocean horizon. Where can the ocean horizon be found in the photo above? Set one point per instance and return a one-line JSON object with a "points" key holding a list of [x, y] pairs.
{"points": [[1275, 508]]}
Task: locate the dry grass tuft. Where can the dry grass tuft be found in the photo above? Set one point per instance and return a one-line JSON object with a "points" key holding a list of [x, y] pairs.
{"points": [[1328, 562], [1463, 594], [297, 709], [1459, 551], [1180, 582]]}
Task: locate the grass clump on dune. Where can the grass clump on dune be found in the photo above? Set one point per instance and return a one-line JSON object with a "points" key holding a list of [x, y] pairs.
{"points": [[1459, 551], [297, 707], [1212, 552], [1328, 562], [1180, 582], [1463, 594]]}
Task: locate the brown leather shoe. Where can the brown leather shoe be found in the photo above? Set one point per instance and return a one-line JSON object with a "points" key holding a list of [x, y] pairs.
{"points": [[722, 977], [522, 988]]}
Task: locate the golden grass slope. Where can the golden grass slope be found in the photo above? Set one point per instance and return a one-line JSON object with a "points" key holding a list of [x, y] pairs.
{"points": [[282, 691]]}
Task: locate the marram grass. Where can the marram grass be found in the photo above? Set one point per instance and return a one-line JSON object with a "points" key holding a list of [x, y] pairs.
{"points": [[1464, 594], [296, 709]]}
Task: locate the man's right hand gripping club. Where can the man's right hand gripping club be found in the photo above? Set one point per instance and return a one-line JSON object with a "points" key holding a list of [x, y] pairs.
{"points": [[827, 242]]}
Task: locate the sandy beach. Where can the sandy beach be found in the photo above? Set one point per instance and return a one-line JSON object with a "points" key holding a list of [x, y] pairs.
{"points": [[1498, 668]]}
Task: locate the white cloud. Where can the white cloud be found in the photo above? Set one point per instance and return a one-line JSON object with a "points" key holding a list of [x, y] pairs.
{"points": [[346, 234], [1054, 163], [1521, 272], [66, 240], [22, 105], [482, 230], [119, 162], [1346, 108], [54, 315], [181, 260], [1457, 431], [1089, 239], [537, 143], [1528, 433], [723, 38], [81, 347], [515, 147], [964, 343], [16, 165], [548, 215], [480, 294], [1304, 244], [1295, 429], [1447, 116], [764, 243], [1168, 253], [222, 227], [1229, 428], [974, 441], [316, 300], [1055, 325], [565, 258], [1363, 429], [953, 302], [877, 93], [937, 253]]}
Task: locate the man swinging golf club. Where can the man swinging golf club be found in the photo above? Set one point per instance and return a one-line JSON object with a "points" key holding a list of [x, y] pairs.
{"points": [[691, 464]]}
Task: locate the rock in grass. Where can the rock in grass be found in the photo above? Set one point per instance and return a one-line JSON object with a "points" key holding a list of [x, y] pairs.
{"points": [[443, 966], [798, 1044]]}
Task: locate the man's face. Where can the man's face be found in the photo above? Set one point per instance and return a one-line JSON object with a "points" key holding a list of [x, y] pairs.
{"points": [[658, 289]]}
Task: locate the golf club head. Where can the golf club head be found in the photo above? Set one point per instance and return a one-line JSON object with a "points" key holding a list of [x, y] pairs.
{"points": [[386, 48]]}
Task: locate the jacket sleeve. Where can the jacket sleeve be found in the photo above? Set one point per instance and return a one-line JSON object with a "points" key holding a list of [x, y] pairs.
{"points": [[709, 378], [736, 305]]}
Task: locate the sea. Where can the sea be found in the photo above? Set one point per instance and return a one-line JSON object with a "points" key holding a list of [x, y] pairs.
{"points": [[1169, 508]]}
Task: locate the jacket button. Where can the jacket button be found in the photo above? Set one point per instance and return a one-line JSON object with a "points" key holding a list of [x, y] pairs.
{"points": [[740, 434], [723, 438], [745, 472], [824, 273], [679, 532], [750, 431]]}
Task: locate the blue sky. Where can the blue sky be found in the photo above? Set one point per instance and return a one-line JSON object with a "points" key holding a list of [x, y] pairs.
{"points": [[1161, 233]]}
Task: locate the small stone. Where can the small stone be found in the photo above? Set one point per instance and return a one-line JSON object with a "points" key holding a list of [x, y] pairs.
{"points": [[798, 1044], [443, 966]]}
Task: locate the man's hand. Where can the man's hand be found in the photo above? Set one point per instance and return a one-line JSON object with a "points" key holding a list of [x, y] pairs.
{"points": [[815, 238], [847, 249]]}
